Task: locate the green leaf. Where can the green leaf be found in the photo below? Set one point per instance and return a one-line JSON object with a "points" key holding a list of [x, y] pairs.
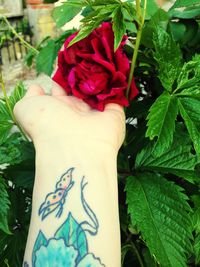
{"points": [[4, 207], [119, 27], [190, 111], [197, 249], [161, 121], [184, 31], [188, 81], [187, 13], [40, 241], [177, 160], [86, 30], [160, 18], [184, 3], [5, 127], [168, 56], [12, 247], [4, 112], [17, 94], [46, 57], [152, 7], [66, 12], [160, 210]]}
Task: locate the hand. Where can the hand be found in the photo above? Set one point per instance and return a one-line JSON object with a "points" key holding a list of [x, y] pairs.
{"points": [[58, 116]]}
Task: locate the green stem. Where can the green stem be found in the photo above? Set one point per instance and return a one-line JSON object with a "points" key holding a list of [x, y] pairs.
{"points": [[9, 106], [135, 250], [23, 42], [138, 39]]}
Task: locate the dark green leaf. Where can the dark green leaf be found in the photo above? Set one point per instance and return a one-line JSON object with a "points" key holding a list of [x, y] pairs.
{"points": [[161, 122], [168, 56], [177, 160], [66, 12], [119, 27], [187, 13], [184, 31], [190, 109], [4, 206], [46, 57], [160, 210]]}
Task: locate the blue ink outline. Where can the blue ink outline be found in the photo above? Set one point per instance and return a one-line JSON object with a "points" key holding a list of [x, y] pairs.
{"points": [[44, 209]]}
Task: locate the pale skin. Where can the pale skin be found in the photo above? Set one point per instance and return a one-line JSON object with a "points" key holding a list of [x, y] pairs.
{"points": [[66, 132]]}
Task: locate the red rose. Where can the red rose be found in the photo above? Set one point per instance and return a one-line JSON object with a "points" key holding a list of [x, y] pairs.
{"points": [[90, 69]]}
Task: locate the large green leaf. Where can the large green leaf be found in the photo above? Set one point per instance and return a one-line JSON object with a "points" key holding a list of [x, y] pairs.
{"points": [[161, 121], [160, 210], [190, 111], [66, 12], [4, 206], [46, 57], [177, 160], [168, 56]]}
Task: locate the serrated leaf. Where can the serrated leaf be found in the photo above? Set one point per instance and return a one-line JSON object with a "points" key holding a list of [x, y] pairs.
{"points": [[177, 160], [46, 57], [188, 81], [160, 18], [85, 31], [4, 207], [197, 249], [161, 121], [17, 94], [4, 112], [189, 110], [168, 56], [160, 210], [184, 3], [119, 27], [5, 127], [66, 12]]}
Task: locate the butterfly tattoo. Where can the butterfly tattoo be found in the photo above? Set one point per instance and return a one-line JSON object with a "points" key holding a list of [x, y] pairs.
{"points": [[54, 201]]}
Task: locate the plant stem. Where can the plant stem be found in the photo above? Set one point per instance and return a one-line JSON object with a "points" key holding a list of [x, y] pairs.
{"points": [[138, 39], [23, 42], [135, 250], [9, 106]]}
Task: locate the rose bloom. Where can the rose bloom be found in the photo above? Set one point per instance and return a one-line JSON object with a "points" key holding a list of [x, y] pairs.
{"points": [[93, 72]]}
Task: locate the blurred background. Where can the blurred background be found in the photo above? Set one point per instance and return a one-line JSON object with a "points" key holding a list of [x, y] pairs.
{"points": [[31, 20]]}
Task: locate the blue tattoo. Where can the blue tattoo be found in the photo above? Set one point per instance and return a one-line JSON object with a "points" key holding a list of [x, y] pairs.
{"points": [[54, 201], [68, 246]]}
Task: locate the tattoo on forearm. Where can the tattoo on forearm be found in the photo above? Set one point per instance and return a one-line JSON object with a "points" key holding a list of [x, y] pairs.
{"points": [[68, 247], [54, 201]]}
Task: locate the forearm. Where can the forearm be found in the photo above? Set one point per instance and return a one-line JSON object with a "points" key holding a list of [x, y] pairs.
{"points": [[94, 206]]}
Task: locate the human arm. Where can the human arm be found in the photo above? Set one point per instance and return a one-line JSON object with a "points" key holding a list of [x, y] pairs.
{"points": [[67, 133]]}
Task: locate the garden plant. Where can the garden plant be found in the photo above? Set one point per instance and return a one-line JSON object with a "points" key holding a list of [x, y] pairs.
{"points": [[158, 164]]}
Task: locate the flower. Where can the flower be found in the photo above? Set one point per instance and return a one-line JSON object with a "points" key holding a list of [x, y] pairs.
{"points": [[92, 71], [57, 254]]}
